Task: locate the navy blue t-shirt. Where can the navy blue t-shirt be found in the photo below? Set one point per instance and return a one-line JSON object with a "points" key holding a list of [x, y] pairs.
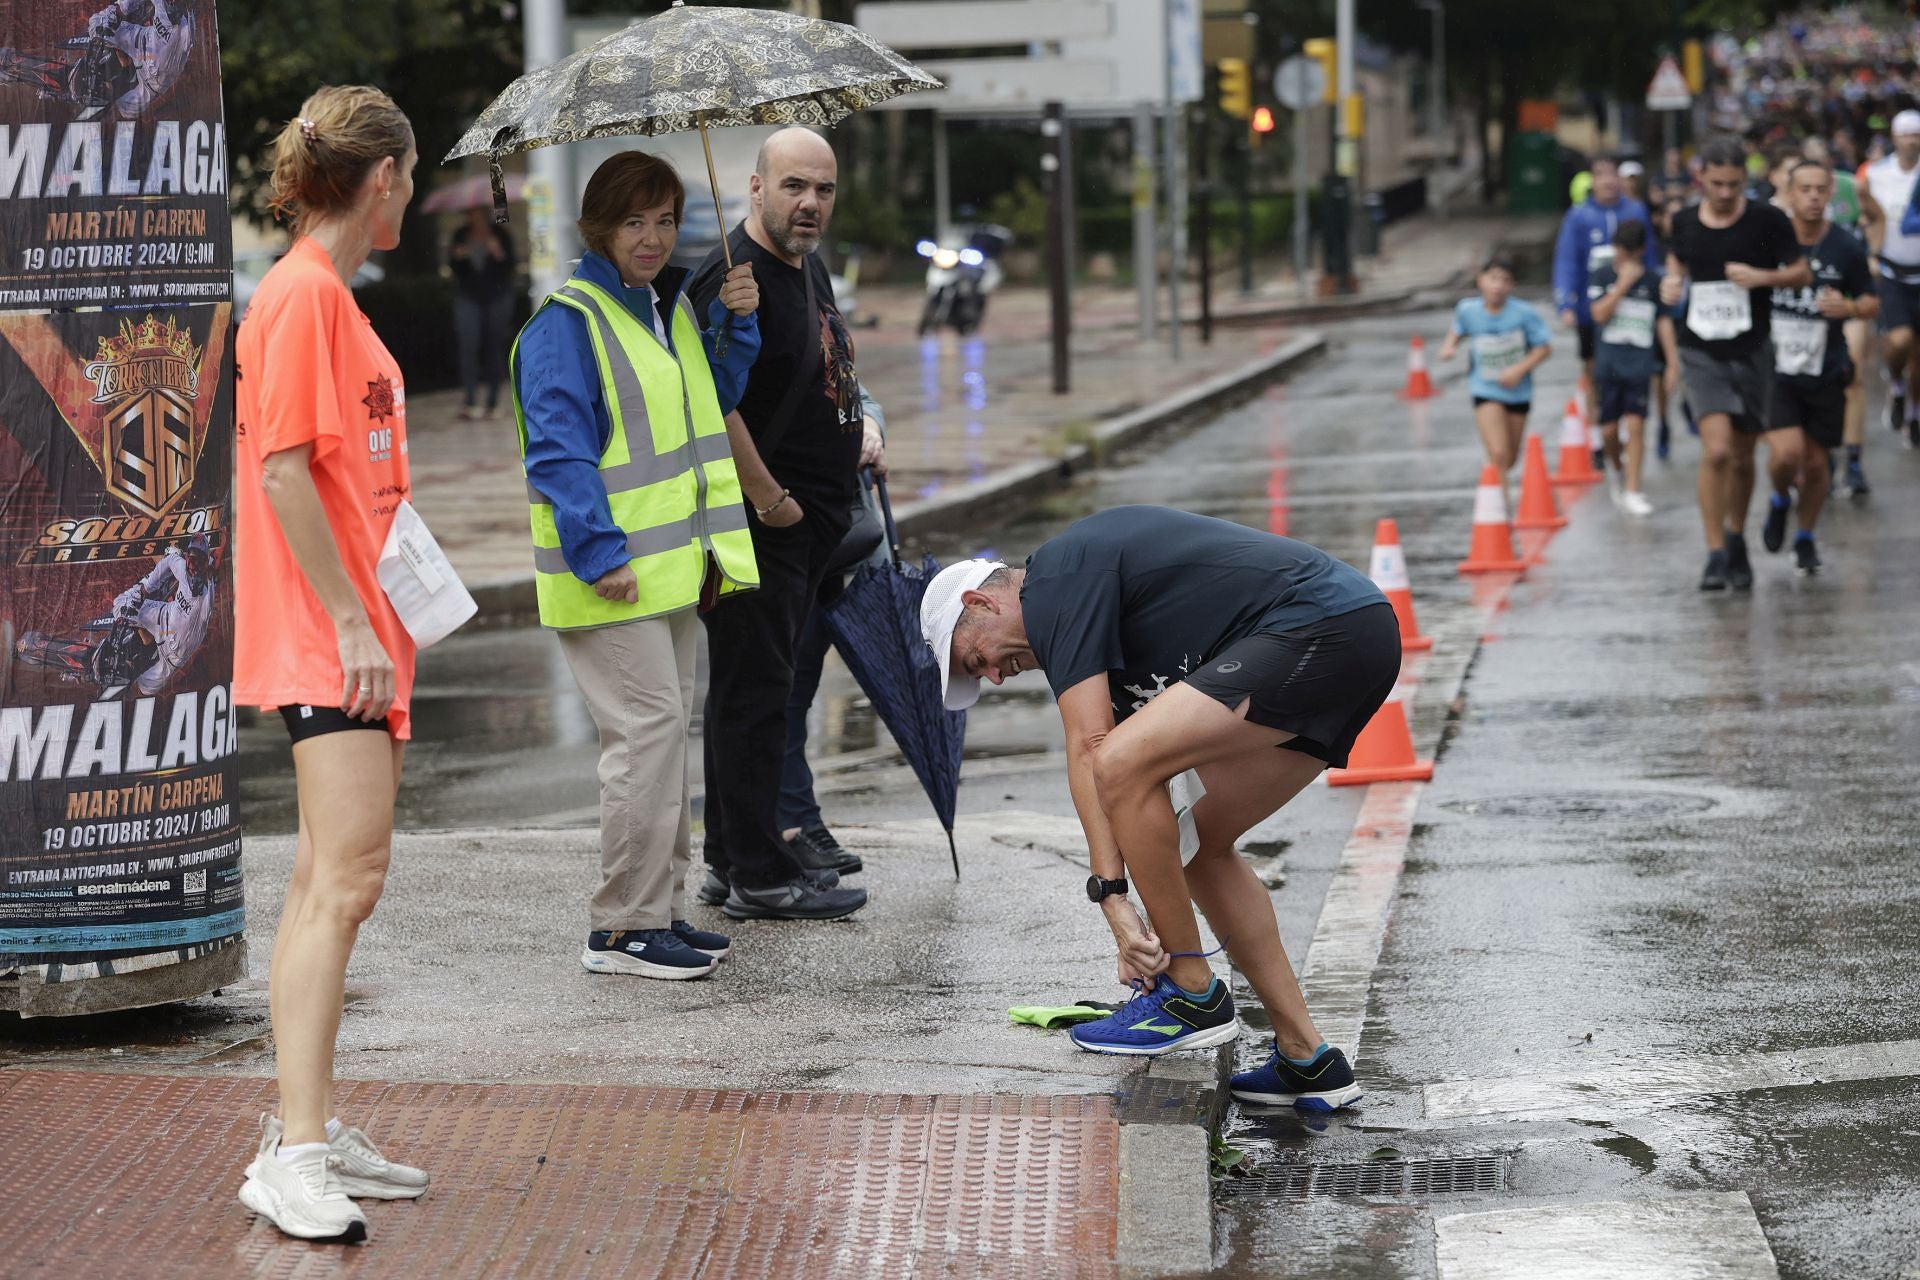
{"points": [[1148, 595]]}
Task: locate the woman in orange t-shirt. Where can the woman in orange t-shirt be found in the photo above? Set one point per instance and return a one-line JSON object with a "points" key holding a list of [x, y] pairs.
{"points": [[322, 466]]}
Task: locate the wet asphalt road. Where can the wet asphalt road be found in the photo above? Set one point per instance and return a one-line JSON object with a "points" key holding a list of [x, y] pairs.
{"points": [[1664, 827]]}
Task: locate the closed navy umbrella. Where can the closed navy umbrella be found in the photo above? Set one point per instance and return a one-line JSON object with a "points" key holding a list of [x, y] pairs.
{"points": [[876, 625]]}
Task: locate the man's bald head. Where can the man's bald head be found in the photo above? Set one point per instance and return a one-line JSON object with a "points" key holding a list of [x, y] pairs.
{"points": [[794, 180]]}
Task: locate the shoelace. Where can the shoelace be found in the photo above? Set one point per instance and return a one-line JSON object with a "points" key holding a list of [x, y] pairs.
{"points": [[318, 1176], [1148, 997]]}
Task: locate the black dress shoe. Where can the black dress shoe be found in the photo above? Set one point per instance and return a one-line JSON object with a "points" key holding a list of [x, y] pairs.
{"points": [[714, 889], [817, 850]]}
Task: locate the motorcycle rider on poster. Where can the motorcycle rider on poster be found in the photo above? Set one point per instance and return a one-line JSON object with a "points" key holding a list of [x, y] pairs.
{"points": [[173, 604], [156, 36]]}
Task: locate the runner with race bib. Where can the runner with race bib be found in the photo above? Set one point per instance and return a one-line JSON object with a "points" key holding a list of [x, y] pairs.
{"points": [[1506, 341], [1634, 329], [1726, 257], [1812, 366]]}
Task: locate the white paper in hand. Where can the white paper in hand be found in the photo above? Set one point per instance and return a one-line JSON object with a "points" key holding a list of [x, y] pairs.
{"points": [[420, 582]]}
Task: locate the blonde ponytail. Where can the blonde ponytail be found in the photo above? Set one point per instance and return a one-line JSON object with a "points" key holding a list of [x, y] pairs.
{"points": [[322, 155]]}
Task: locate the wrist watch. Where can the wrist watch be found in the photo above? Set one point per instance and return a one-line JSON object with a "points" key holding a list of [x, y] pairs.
{"points": [[1098, 889]]}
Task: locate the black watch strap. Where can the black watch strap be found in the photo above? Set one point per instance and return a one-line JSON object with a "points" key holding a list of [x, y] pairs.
{"points": [[1098, 889]]}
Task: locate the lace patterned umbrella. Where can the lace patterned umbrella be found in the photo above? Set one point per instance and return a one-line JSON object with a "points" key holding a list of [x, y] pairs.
{"points": [[692, 68]]}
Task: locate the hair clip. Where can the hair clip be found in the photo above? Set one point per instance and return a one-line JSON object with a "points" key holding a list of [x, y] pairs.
{"points": [[307, 129]]}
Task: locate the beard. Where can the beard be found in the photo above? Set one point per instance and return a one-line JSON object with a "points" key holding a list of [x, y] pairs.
{"points": [[794, 242]]}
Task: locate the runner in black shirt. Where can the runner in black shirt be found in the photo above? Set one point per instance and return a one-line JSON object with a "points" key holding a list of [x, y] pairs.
{"points": [[1812, 366], [1726, 257]]}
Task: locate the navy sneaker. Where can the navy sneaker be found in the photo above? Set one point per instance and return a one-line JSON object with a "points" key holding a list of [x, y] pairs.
{"points": [[1163, 1019], [1806, 557], [645, 953], [1714, 576], [1774, 535], [1856, 480], [1663, 443], [715, 888], [1739, 568], [705, 941], [1323, 1084]]}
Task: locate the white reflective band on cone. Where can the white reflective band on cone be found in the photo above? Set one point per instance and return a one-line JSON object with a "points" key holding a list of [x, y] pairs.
{"points": [[1389, 568], [1572, 430], [1489, 505]]}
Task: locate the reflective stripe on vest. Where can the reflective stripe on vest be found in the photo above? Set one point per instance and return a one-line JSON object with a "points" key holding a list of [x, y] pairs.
{"points": [[667, 469]]}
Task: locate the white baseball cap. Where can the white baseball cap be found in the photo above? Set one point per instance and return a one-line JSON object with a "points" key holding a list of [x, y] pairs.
{"points": [[1906, 122], [940, 612], [1631, 169]]}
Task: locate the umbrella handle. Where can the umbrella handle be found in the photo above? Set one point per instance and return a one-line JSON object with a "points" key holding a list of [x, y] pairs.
{"points": [[879, 484], [713, 185]]}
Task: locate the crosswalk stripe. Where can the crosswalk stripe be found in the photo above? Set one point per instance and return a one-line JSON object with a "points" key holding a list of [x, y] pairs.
{"points": [[1630, 1083], [1707, 1235]]}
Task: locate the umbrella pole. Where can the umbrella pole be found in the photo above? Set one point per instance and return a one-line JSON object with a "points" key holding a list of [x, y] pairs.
{"points": [[955, 852], [713, 184], [893, 543]]}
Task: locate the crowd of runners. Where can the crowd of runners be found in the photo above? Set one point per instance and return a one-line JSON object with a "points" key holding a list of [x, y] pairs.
{"points": [[1751, 290]]}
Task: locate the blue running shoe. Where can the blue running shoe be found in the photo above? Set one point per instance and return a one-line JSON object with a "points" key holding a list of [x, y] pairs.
{"points": [[705, 941], [1163, 1019], [644, 953], [1324, 1084]]}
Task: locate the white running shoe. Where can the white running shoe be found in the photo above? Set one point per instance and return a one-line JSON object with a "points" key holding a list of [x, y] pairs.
{"points": [[1635, 503], [363, 1173], [302, 1197]]}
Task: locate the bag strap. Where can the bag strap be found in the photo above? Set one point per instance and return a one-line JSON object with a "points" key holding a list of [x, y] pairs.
{"points": [[810, 365]]}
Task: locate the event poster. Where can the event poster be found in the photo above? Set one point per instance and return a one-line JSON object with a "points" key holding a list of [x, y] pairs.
{"points": [[118, 827], [113, 155]]}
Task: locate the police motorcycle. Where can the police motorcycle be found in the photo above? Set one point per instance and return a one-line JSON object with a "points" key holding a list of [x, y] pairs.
{"points": [[963, 270]]}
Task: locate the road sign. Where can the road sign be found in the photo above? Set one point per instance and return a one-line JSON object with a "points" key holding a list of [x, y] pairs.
{"points": [[1300, 83], [1668, 91]]}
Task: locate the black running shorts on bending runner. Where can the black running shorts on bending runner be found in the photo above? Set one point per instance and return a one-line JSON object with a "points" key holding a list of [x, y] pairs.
{"points": [[1740, 387], [1819, 411], [1321, 683]]}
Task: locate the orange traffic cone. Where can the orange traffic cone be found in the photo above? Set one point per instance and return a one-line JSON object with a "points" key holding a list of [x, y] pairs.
{"points": [[1388, 570], [1576, 454], [1538, 510], [1419, 385], [1383, 752], [1492, 550]]}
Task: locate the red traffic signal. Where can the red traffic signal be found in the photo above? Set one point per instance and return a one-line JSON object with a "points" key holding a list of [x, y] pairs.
{"points": [[1263, 120]]}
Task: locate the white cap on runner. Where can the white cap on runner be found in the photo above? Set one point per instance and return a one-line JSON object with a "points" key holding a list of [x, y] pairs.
{"points": [[940, 611], [1907, 121]]}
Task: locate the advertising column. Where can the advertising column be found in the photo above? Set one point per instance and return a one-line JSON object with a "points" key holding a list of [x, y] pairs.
{"points": [[120, 879]]}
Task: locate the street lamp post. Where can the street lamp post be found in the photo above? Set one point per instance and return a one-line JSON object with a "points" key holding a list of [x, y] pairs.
{"points": [[544, 28]]}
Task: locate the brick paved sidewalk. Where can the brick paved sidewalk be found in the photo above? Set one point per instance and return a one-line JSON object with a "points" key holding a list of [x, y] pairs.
{"points": [[136, 1175]]}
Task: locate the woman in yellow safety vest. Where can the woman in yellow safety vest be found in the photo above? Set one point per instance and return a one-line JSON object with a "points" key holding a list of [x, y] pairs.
{"points": [[637, 520]]}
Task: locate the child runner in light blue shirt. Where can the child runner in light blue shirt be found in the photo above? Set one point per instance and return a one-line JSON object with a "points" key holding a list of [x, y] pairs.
{"points": [[1507, 340]]}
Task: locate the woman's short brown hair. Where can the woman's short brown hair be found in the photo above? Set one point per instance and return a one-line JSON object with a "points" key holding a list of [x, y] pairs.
{"points": [[323, 155], [623, 185]]}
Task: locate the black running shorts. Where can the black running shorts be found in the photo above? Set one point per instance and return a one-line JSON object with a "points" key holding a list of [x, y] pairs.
{"points": [[1899, 302], [1820, 411], [1321, 683], [311, 722]]}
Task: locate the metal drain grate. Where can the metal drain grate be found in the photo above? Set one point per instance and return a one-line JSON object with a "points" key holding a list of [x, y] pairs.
{"points": [[1418, 1178]]}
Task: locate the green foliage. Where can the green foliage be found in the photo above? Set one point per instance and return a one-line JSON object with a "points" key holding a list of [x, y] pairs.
{"points": [[1021, 210]]}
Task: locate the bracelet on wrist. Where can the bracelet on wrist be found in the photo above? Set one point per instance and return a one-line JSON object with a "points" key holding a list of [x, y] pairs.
{"points": [[771, 507]]}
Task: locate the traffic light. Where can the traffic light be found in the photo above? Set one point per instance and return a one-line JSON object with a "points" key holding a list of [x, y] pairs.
{"points": [[1324, 52], [1263, 119], [1233, 85]]}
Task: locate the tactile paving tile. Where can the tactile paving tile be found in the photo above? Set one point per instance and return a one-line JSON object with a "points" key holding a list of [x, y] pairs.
{"points": [[107, 1172]]}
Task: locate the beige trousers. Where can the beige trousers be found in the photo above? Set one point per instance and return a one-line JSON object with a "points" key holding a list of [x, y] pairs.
{"points": [[637, 678]]}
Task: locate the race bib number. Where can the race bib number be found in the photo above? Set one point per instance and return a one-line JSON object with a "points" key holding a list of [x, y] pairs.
{"points": [[1718, 310], [1632, 324], [1497, 352], [1799, 345]]}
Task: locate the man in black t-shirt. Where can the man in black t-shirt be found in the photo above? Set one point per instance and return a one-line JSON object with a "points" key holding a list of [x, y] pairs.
{"points": [[1724, 259], [797, 439], [1175, 643], [1812, 366]]}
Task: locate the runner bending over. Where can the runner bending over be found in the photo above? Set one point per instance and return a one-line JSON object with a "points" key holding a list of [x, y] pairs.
{"points": [[1176, 642], [1727, 256]]}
